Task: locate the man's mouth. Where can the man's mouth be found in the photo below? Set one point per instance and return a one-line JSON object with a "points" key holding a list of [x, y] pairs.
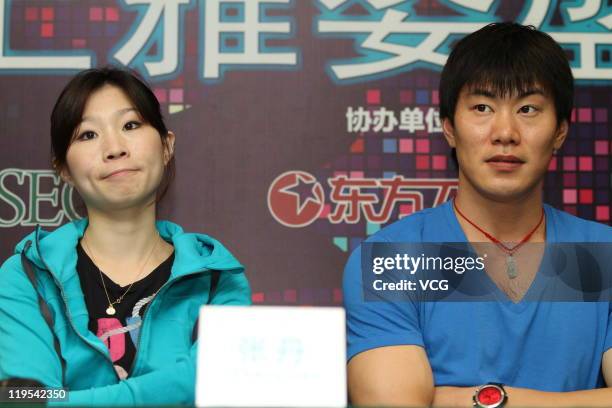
{"points": [[505, 159], [505, 162]]}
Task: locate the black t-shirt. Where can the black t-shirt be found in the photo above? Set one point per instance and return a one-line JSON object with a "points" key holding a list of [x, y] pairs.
{"points": [[120, 331]]}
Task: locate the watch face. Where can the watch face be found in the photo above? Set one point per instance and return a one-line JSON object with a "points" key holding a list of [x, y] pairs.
{"points": [[489, 395]]}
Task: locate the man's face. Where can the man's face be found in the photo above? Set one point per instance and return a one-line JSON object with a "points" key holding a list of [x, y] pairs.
{"points": [[504, 145]]}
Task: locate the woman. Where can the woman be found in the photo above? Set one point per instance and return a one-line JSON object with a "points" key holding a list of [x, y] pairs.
{"points": [[122, 289]]}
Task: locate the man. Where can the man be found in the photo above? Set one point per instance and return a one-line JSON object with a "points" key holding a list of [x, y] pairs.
{"points": [[505, 101]]}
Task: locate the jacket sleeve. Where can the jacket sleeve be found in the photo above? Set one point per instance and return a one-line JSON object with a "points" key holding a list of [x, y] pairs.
{"points": [[26, 341], [174, 384]]}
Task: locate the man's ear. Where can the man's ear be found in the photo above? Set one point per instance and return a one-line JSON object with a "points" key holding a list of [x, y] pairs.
{"points": [[449, 131], [169, 147], [561, 134]]}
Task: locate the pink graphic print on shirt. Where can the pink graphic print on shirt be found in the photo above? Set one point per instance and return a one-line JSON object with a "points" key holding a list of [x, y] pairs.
{"points": [[115, 343]]}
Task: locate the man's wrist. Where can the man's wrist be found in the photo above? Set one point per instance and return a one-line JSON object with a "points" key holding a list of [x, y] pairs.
{"points": [[452, 396]]}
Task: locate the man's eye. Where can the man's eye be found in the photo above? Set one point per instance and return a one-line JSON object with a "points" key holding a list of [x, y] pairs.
{"points": [[87, 135], [131, 125], [527, 109], [482, 108]]}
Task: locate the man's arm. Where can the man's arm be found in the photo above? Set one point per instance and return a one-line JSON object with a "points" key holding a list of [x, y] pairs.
{"points": [[391, 376], [523, 397], [606, 367], [387, 363]]}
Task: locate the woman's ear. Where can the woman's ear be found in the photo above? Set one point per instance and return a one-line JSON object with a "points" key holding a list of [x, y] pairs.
{"points": [[169, 147], [63, 172]]}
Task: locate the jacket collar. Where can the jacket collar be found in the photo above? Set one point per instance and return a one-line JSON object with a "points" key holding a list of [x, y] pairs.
{"points": [[55, 251]]}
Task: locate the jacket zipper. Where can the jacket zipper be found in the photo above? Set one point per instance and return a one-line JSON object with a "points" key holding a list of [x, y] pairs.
{"points": [[106, 356], [148, 306]]}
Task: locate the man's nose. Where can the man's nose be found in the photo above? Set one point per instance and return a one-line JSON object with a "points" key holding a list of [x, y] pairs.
{"points": [[505, 130]]}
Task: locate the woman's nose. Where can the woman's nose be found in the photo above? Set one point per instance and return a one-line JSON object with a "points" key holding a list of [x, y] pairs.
{"points": [[114, 147]]}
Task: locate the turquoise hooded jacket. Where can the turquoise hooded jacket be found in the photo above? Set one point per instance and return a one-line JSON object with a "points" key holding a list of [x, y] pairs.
{"points": [[164, 367]]}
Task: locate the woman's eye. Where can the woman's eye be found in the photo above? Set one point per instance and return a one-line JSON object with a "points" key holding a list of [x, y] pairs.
{"points": [[87, 135], [131, 125], [482, 108], [527, 109]]}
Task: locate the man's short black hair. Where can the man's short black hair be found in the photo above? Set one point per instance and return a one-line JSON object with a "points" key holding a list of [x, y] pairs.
{"points": [[505, 59]]}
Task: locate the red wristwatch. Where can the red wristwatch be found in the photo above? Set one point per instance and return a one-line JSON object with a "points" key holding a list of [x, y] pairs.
{"points": [[491, 395]]}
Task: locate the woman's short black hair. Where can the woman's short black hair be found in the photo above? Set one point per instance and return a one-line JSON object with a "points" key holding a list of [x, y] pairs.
{"points": [[507, 58], [67, 113]]}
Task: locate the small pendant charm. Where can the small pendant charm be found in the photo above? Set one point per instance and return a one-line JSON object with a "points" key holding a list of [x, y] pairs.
{"points": [[110, 310], [511, 267]]}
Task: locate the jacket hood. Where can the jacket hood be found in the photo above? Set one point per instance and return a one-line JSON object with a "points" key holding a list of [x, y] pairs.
{"points": [[55, 251]]}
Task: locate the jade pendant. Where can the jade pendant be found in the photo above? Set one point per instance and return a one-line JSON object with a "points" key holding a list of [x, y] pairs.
{"points": [[511, 267]]}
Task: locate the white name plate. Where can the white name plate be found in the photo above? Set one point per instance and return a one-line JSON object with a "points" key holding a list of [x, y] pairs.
{"points": [[271, 356]]}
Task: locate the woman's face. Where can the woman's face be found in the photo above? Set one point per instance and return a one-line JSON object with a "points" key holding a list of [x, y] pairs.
{"points": [[115, 161]]}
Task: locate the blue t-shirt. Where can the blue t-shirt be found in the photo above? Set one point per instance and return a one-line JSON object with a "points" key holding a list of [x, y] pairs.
{"points": [[549, 346]]}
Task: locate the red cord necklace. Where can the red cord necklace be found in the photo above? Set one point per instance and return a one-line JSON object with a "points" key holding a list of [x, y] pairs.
{"points": [[511, 269]]}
